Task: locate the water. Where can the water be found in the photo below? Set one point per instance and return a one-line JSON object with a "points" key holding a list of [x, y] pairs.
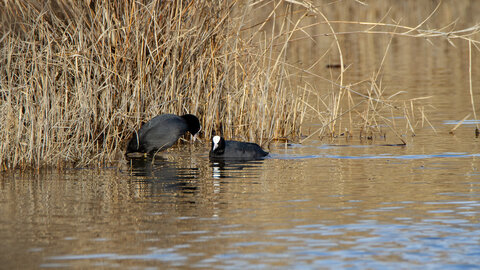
{"points": [[322, 204], [307, 206]]}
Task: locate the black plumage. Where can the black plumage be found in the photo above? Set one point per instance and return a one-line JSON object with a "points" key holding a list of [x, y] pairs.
{"points": [[162, 132], [223, 149]]}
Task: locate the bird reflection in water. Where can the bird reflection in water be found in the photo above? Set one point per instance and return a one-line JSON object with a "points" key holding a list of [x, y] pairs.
{"points": [[160, 176], [235, 168]]}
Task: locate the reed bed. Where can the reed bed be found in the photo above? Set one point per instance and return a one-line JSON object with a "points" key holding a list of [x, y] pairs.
{"points": [[77, 78]]}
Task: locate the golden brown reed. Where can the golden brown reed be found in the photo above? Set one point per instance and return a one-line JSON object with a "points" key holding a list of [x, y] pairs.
{"points": [[78, 77]]}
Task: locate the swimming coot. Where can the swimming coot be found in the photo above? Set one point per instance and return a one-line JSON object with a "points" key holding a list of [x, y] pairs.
{"points": [[235, 150], [162, 132]]}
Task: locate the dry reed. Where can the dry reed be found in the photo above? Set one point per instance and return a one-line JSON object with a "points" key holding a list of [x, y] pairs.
{"points": [[78, 77]]}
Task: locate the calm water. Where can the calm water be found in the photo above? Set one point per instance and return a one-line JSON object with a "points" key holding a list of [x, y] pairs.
{"points": [[309, 206], [322, 204]]}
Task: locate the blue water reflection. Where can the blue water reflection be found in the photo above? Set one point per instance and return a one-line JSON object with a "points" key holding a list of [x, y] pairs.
{"points": [[258, 214], [309, 207]]}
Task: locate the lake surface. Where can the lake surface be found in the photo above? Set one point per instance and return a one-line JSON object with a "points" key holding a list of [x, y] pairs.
{"points": [[307, 206], [321, 204]]}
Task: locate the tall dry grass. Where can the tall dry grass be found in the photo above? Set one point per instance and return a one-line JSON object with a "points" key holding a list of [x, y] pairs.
{"points": [[78, 77]]}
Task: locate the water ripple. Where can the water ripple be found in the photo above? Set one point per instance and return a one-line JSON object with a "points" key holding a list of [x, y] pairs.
{"points": [[382, 156]]}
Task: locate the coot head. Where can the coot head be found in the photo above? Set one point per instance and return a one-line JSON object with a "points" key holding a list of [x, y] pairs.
{"points": [[218, 145], [192, 122]]}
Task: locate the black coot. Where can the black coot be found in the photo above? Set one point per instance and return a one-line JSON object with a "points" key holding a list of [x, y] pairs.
{"points": [[162, 132], [222, 149]]}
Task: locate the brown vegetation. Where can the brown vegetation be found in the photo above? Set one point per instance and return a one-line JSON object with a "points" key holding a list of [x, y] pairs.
{"points": [[78, 77]]}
